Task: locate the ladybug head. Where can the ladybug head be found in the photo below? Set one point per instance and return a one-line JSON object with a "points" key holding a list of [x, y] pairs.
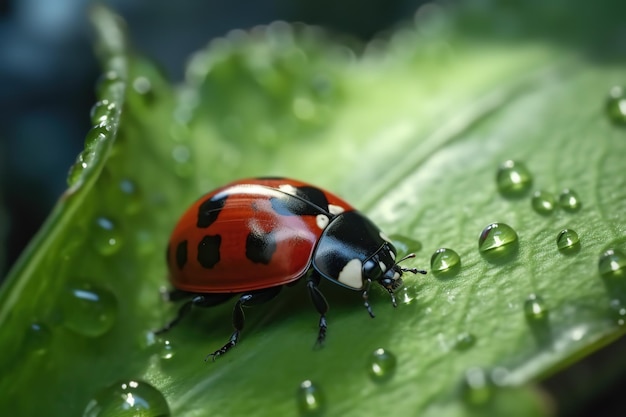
{"points": [[383, 268]]}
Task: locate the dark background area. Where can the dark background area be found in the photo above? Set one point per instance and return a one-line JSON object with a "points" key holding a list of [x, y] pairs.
{"points": [[47, 77]]}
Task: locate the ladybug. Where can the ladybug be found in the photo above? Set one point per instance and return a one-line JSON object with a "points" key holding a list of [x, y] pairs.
{"points": [[251, 237]]}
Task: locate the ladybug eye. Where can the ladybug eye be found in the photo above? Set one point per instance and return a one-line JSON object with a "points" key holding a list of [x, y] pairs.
{"points": [[371, 270]]}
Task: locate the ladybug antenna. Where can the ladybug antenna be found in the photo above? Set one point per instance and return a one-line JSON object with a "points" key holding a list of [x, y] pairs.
{"points": [[413, 270]]}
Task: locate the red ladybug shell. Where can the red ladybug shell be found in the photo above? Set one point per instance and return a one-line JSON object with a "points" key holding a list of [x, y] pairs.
{"points": [[249, 235]]}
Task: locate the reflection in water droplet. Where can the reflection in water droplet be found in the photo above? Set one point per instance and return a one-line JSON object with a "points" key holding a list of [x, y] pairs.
{"points": [[567, 240], [616, 106], [106, 236], [37, 338], [464, 341], [128, 399], [498, 242], [611, 264], [167, 350], [543, 202], [445, 262], [535, 308], [382, 365], [477, 387], [513, 179], [101, 111], [569, 201], [405, 244], [618, 311], [310, 399], [89, 310]]}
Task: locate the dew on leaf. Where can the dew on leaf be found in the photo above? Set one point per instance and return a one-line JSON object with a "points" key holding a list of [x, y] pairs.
{"points": [[106, 236], [535, 308], [37, 338], [543, 202], [616, 105], [381, 365], [618, 311], [128, 399], [89, 310], [513, 179], [498, 242], [477, 387], [445, 262], [405, 244], [464, 341], [567, 240], [569, 200], [612, 264], [310, 399]]}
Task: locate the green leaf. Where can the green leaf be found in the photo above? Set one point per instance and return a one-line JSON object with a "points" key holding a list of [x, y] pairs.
{"points": [[412, 131]]}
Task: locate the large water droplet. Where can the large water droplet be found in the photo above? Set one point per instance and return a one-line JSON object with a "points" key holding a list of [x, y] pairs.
{"points": [[567, 241], [616, 106], [498, 242], [543, 202], [513, 179], [128, 399], [89, 310], [569, 201], [535, 308], [310, 399], [612, 264], [445, 263], [106, 236], [382, 365]]}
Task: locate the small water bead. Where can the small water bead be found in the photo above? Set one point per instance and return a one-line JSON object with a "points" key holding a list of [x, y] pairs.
{"points": [[513, 179], [616, 105], [89, 310], [101, 111], [612, 264], [96, 134], [310, 399], [75, 172], [618, 311], [535, 308], [105, 82], [142, 85], [498, 242], [477, 387], [569, 201], [464, 341], [405, 244], [445, 262], [567, 240], [128, 399], [37, 338], [543, 202], [106, 236], [382, 365]]}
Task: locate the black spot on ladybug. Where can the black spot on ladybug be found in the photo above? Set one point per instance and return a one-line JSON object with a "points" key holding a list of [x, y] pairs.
{"points": [[209, 210], [260, 247], [181, 254], [313, 195], [308, 201], [209, 250]]}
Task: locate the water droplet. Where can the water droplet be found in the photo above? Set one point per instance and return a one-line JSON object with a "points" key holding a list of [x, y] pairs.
{"points": [[132, 196], [106, 236], [477, 387], [142, 85], [310, 399], [513, 179], [543, 202], [101, 111], [618, 311], [498, 242], [569, 201], [89, 309], [128, 399], [37, 338], [96, 134], [105, 82], [75, 172], [616, 105], [535, 308], [405, 244], [407, 294], [612, 264], [445, 263], [382, 365], [567, 241], [167, 351], [464, 341]]}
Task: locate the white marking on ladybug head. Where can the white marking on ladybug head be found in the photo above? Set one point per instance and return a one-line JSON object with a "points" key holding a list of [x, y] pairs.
{"points": [[334, 209], [321, 220], [383, 267], [396, 276], [385, 237], [392, 255], [351, 274], [288, 188]]}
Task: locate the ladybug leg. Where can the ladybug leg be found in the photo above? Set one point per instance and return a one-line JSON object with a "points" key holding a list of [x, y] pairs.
{"points": [[366, 301], [321, 305], [198, 300], [245, 300]]}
